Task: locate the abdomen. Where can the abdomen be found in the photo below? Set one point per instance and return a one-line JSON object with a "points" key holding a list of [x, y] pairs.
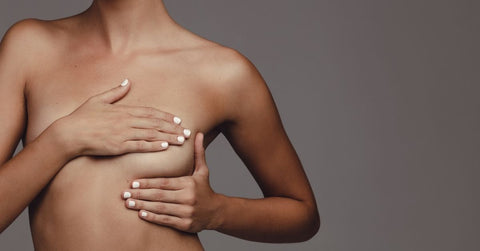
{"points": [[82, 208]]}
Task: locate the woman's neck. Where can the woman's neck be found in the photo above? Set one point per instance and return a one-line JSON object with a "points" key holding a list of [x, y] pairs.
{"points": [[128, 24]]}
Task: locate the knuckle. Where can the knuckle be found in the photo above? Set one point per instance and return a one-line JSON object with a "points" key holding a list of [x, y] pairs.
{"points": [[125, 147], [165, 115], [164, 218], [144, 183], [189, 182], [140, 145], [164, 182], [159, 207], [114, 148], [185, 181], [190, 199], [119, 135], [189, 211], [158, 195], [150, 134], [158, 122], [188, 224]]}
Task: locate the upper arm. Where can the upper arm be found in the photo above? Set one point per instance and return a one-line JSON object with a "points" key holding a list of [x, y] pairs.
{"points": [[255, 131], [15, 54]]}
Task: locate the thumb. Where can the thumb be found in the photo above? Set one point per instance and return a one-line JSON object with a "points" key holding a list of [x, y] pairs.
{"points": [[115, 93], [199, 154]]}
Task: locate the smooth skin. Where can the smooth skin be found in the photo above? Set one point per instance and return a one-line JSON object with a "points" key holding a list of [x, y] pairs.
{"points": [[73, 194], [135, 124]]}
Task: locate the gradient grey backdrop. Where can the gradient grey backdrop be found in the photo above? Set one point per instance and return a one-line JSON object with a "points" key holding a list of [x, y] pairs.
{"points": [[380, 99]]}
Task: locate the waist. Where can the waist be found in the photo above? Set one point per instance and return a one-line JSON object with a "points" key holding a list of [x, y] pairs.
{"points": [[82, 209]]}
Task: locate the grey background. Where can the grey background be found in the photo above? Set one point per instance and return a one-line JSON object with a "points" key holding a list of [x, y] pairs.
{"points": [[380, 99]]}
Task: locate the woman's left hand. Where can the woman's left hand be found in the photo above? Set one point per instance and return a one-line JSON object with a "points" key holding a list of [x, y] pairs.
{"points": [[186, 203]]}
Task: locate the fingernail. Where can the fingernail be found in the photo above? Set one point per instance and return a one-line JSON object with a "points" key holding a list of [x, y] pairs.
{"points": [[181, 139], [187, 132], [144, 214], [131, 203], [127, 195], [164, 144], [135, 184], [177, 120], [124, 83]]}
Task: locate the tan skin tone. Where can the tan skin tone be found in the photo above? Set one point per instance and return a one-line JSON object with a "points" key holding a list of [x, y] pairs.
{"points": [[87, 142]]}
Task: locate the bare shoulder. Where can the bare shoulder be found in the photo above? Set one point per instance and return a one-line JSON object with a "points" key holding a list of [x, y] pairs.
{"points": [[27, 34], [26, 41], [227, 69], [228, 64], [238, 84]]}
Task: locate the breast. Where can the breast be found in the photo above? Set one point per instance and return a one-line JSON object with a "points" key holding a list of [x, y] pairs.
{"points": [[174, 161], [47, 104], [107, 176]]}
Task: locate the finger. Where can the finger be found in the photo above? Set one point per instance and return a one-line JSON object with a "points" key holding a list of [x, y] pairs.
{"points": [[199, 154], [154, 135], [114, 94], [160, 207], [141, 146], [175, 183], [159, 124], [150, 112], [165, 220], [171, 196]]}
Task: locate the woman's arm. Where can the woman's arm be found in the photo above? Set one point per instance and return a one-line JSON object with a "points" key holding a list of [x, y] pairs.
{"points": [[14, 53], [288, 213], [97, 127]]}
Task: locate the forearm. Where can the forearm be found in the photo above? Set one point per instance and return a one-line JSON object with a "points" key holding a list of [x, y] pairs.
{"points": [[26, 174], [271, 219]]}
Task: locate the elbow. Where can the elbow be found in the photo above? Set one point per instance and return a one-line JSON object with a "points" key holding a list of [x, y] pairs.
{"points": [[313, 225], [316, 224], [310, 225]]}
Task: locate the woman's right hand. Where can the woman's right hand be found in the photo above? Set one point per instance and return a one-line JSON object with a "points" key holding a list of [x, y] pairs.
{"points": [[99, 127]]}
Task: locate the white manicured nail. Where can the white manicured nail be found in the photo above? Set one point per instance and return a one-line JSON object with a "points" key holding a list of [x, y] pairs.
{"points": [[177, 120], [164, 144], [135, 184], [131, 203], [187, 132], [124, 83], [181, 139], [127, 195], [144, 214]]}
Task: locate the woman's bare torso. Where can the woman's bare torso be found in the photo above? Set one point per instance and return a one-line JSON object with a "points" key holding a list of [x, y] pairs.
{"points": [[82, 208]]}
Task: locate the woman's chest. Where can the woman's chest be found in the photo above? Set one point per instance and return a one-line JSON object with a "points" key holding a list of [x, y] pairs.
{"points": [[167, 87]]}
